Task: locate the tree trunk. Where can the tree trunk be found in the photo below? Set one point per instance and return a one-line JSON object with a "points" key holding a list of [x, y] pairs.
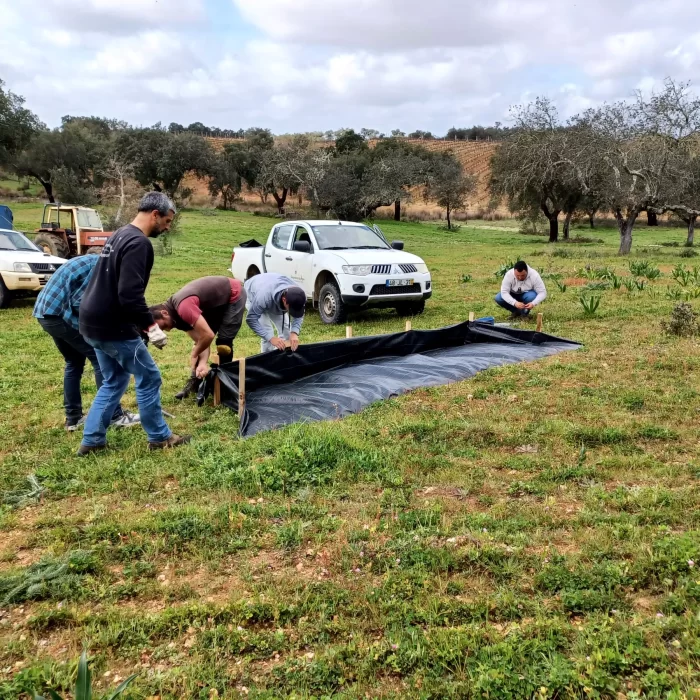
{"points": [[449, 222], [280, 199], [48, 187], [652, 218], [625, 225], [691, 231], [553, 217], [122, 199], [397, 210], [567, 224], [591, 218]]}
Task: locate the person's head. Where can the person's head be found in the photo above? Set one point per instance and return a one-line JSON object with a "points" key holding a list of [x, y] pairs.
{"points": [[520, 269], [294, 301], [156, 214], [162, 317]]}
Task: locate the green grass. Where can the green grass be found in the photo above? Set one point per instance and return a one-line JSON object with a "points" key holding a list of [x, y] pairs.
{"points": [[531, 532]]}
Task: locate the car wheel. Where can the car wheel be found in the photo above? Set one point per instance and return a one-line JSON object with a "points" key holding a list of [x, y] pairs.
{"points": [[5, 295], [331, 307]]}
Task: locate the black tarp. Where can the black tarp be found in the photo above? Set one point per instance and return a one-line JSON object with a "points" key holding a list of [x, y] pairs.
{"points": [[333, 379]]}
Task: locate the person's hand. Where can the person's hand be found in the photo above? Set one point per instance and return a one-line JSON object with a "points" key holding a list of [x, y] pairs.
{"points": [[157, 336], [202, 370], [519, 305], [278, 343], [294, 341], [529, 306]]}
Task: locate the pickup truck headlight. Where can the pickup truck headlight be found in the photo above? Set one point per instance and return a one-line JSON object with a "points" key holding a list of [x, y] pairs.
{"points": [[22, 267], [421, 267], [357, 269]]}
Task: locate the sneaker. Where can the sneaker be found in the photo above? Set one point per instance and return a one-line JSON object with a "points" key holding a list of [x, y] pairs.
{"points": [[172, 441], [192, 385], [72, 424], [85, 450], [126, 420]]}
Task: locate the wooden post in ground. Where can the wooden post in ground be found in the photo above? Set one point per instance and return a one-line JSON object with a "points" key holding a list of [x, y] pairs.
{"points": [[241, 387], [348, 331], [471, 317], [217, 391], [539, 322], [408, 325]]}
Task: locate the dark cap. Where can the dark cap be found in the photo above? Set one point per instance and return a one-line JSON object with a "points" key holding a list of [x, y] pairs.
{"points": [[296, 298]]}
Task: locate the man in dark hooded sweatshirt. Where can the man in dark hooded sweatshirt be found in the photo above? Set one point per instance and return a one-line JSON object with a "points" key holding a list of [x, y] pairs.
{"points": [[113, 317]]}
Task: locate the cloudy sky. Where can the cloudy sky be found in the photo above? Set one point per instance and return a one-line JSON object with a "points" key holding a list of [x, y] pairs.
{"points": [[313, 65]]}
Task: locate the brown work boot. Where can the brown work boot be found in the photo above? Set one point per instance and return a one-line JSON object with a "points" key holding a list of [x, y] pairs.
{"points": [[172, 441], [85, 450]]}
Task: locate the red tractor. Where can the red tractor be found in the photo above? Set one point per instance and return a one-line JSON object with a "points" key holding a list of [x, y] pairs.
{"points": [[82, 235]]}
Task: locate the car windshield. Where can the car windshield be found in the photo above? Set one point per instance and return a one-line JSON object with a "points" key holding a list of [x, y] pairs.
{"points": [[14, 240], [89, 218], [340, 237]]}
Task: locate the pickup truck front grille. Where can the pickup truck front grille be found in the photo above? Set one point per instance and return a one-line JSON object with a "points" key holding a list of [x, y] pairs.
{"points": [[383, 290], [43, 268], [408, 268], [381, 269]]}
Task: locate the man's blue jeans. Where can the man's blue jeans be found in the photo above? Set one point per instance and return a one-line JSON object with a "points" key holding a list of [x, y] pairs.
{"points": [[524, 298], [119, 359], [75, 351]]}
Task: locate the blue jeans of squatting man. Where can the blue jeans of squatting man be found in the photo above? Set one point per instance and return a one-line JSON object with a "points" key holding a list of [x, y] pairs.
{"points": [[524, 298], [119, 359]]}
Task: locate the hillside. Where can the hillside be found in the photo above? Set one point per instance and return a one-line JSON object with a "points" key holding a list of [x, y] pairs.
{"points": [[475, 157]]}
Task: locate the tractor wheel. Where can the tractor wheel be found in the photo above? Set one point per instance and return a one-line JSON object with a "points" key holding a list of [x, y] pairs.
{"points": [[53, 245], [94, 250], [5, 295]]}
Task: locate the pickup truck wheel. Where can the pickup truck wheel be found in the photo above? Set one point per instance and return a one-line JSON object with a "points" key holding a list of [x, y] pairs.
{"points": [[330, 304], [5, 295], [411, 308]]}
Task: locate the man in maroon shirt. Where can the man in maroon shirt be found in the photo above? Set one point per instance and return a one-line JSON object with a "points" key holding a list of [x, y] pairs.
{"points": [[204, 308]]}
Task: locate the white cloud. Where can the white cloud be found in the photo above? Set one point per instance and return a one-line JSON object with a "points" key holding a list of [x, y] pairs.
{"points": [[319, 64]]}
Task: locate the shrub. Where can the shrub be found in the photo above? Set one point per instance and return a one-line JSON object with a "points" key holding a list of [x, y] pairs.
{"points": [[590, 304], [683, 322], [688, 253], [83, 684]]}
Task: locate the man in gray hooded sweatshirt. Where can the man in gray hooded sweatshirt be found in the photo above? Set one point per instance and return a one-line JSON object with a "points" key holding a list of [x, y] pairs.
{"points": [[272, 300]]}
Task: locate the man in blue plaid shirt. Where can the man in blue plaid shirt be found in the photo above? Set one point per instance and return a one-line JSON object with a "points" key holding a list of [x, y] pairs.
{"points": [[56, 310]]}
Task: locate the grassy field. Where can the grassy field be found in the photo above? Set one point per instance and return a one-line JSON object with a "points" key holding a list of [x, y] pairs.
{"points": [[531, 532]]}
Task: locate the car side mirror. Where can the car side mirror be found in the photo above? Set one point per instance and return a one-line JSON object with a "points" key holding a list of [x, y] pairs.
{"points": [[302, 246], [397, 245]]}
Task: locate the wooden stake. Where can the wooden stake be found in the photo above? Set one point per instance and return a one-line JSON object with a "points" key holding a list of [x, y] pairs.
{"points": [[471, 317], [241, 387], [217, 391], [408, 325], [348, 331], [539, 323]]}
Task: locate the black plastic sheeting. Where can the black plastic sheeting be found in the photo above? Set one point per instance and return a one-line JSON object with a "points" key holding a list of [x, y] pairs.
{"points": [[322, 381]]}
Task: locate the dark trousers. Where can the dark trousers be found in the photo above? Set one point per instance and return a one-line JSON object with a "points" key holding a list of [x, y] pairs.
{"points": [[75, 350], [231, 321]]}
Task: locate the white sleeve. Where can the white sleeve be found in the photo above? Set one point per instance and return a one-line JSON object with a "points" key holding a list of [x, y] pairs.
{"points": [[540, 289], [506, 286]]}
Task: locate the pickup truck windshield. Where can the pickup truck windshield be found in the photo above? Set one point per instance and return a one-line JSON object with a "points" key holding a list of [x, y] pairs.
{"points": [[339, 237], [9, 240]]}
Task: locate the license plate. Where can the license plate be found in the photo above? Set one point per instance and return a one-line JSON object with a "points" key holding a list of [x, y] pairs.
{"points": [[399, 283]]}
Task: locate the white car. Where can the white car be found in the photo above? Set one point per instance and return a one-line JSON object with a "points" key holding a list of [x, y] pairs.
{"points": [[24, 267], [341, 265]]}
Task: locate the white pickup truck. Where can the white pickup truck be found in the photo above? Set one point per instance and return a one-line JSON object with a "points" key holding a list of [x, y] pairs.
{"points": [[24, 268], [341, 265]]}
